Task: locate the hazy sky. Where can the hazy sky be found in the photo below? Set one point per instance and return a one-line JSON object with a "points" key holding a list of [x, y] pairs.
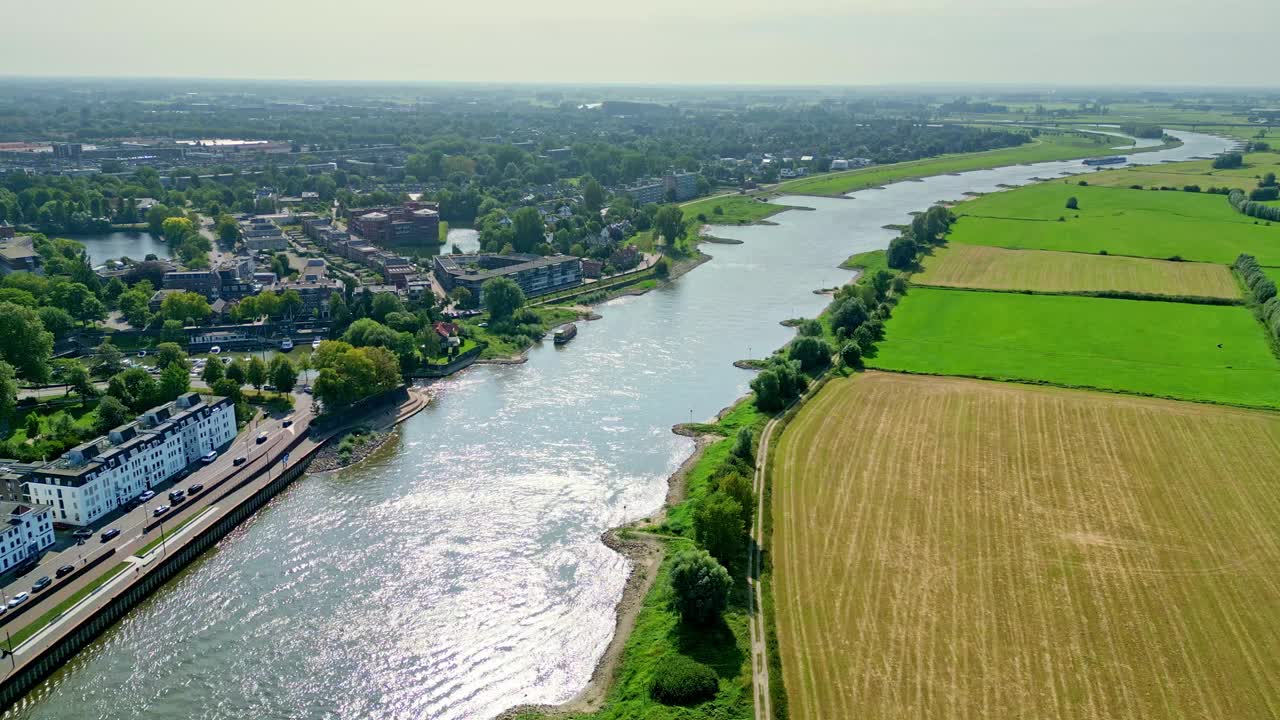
{"points": [[854, 42]]}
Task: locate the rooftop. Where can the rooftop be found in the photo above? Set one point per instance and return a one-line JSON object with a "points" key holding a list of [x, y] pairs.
{"points": [[484, 266]]}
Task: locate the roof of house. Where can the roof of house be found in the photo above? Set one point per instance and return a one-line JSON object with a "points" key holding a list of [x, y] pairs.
{"points": [[19, 247]]}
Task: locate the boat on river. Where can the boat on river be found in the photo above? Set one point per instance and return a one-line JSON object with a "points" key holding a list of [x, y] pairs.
{"points": [[564, 334]]}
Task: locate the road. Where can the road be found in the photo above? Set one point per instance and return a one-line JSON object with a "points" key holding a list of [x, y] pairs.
{"points": [[132, 524], [759, 638]]}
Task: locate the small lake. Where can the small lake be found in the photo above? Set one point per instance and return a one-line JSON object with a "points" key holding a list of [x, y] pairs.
{"points": [[124, 243]]}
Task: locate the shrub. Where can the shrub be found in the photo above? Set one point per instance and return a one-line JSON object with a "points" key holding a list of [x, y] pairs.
{"points": [[700, 585], [1072, 203], [1227, 161], [683, 681]]}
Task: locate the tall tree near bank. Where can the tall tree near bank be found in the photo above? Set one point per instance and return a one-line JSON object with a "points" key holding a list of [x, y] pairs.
{"points": [[24, 343], [502, 298], [700, 586]]}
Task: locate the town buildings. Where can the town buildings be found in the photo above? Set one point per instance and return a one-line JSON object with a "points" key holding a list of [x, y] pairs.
{"points": [[96, 477], [675, 186], [535, 274], [413, 223], [17, 252], [27, 530]]}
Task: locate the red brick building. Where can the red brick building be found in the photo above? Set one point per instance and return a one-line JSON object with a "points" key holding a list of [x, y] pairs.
{"points": [[413, 223]]}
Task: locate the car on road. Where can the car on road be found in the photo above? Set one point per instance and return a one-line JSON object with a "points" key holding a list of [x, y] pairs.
{"points": [[110, 533], [64, 571], [209, 457], [262, 437], [142, 353], [287, 422], [239, 461], [286, 345], [307, 389], [18, 599], [160, 511], [146, 496], [315, 344], [177, 496], [195, 489], [26, 566], [41, 584], [215, 350], [83, 533]]}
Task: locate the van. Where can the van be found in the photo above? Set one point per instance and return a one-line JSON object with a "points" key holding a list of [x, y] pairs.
{"points": [[110, 533]]}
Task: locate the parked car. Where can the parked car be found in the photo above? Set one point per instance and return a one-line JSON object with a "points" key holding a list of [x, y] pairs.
{"points": [[160, 511], [18, 599], [146, 496], [215, 350], [286, 345], [177, 496], [109, 533], [41, 584], [142, 353], [209, 457], [65, 570], [83, 533], [195, 489], [239, 461]]}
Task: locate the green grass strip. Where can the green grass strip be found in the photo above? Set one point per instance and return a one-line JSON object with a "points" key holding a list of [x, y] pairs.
{"points": [[52, 614]]}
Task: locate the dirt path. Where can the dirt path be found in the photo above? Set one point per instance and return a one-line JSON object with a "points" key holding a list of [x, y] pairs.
{"points": [[759, 649]]}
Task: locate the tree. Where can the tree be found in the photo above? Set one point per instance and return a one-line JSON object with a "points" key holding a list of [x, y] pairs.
{"points": [[32, 428], [742, 444], [662, 269], [717, 523], [881, 281], [283, 374], [185, 306], [228, 229], [1268, 180], [668, 223], [383, 304], [111, 414], [8, 392], [238, 372], [212, 373], [268, 304], [24, 343], [256, 373], [176, 229], [134, 387], [1072, 203], [291, 302], [75, 375], [529, 229], [768, 390], [902, 253], [1227, 161], [851, 355], [700, 586], [811, 352], [169, 353], [461, 297], [56, 320], [369, 332], [107, 359], [502, 298], [847, 313], [175, 380], [592, 194]]}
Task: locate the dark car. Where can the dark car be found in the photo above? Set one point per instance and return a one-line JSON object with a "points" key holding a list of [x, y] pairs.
{"points": [[287, 422], [109, 533], [238, 461], [262, 437], [41, 584], [195, 489], [65, 570], [177, 496]]}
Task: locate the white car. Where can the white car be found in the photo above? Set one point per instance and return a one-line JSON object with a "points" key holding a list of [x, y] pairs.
{"points": [[146, 496], [215, 350], [315, 344], [160, 510], [209, 457], [286, 345], [18, 599]]}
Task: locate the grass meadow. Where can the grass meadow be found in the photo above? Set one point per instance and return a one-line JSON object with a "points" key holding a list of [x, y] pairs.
{"points": [[977, 266], [1047, 147], [953, 548], [1193, 172], [1139, 223], [1191, 352]]}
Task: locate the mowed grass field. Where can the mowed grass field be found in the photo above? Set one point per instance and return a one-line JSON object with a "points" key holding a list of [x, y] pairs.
{"points": [[1179, 350], [976, 266], [952, 548], [1192, 172], [1047, 147], [1140, 223]]}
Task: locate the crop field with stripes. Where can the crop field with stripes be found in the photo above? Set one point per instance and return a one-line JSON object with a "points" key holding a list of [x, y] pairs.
{"points": [[977, 266], [956, 548]]}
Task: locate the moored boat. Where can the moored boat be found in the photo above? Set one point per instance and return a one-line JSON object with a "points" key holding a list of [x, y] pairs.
{"points": [[564, 333]]}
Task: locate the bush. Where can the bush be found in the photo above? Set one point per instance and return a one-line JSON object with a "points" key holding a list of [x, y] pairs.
{"points": [[700, 585], [683, 681], [1227, 161], [1072, 203]]}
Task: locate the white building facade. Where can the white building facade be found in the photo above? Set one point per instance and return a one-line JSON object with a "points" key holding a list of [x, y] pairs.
{"points": [[27, 530], [97, 477]]}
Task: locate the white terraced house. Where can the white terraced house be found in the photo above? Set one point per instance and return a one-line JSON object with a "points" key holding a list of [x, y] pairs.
{"points": [[26, 530], [93, 479]]}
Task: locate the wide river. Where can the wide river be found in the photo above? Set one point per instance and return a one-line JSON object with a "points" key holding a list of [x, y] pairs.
{"points": [[459, 571]]}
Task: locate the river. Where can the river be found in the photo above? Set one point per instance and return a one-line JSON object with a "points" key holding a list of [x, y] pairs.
{"points": [[459, 571]]}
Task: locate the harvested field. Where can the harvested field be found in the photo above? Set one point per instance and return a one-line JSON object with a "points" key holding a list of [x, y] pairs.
{"points": [[977, 266], [952, 548]]}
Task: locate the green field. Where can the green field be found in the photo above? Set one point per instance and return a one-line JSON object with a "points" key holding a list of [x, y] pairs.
{"points": [[991, 268], [1043, 149], [1140, 223], [867, 262], [1193, 172], [950, 548], [1185, 351]]}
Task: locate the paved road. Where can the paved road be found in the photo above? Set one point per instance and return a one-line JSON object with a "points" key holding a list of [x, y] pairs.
{"points": [[759, 647], [132, 524]]}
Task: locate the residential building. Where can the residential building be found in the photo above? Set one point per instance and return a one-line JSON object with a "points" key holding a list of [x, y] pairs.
{"points": [[18, 252], [27, 529], [13, 475], [315, 294], [535, 274], [677, 186], [204, 282], [413, 223], [94, 478]]}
